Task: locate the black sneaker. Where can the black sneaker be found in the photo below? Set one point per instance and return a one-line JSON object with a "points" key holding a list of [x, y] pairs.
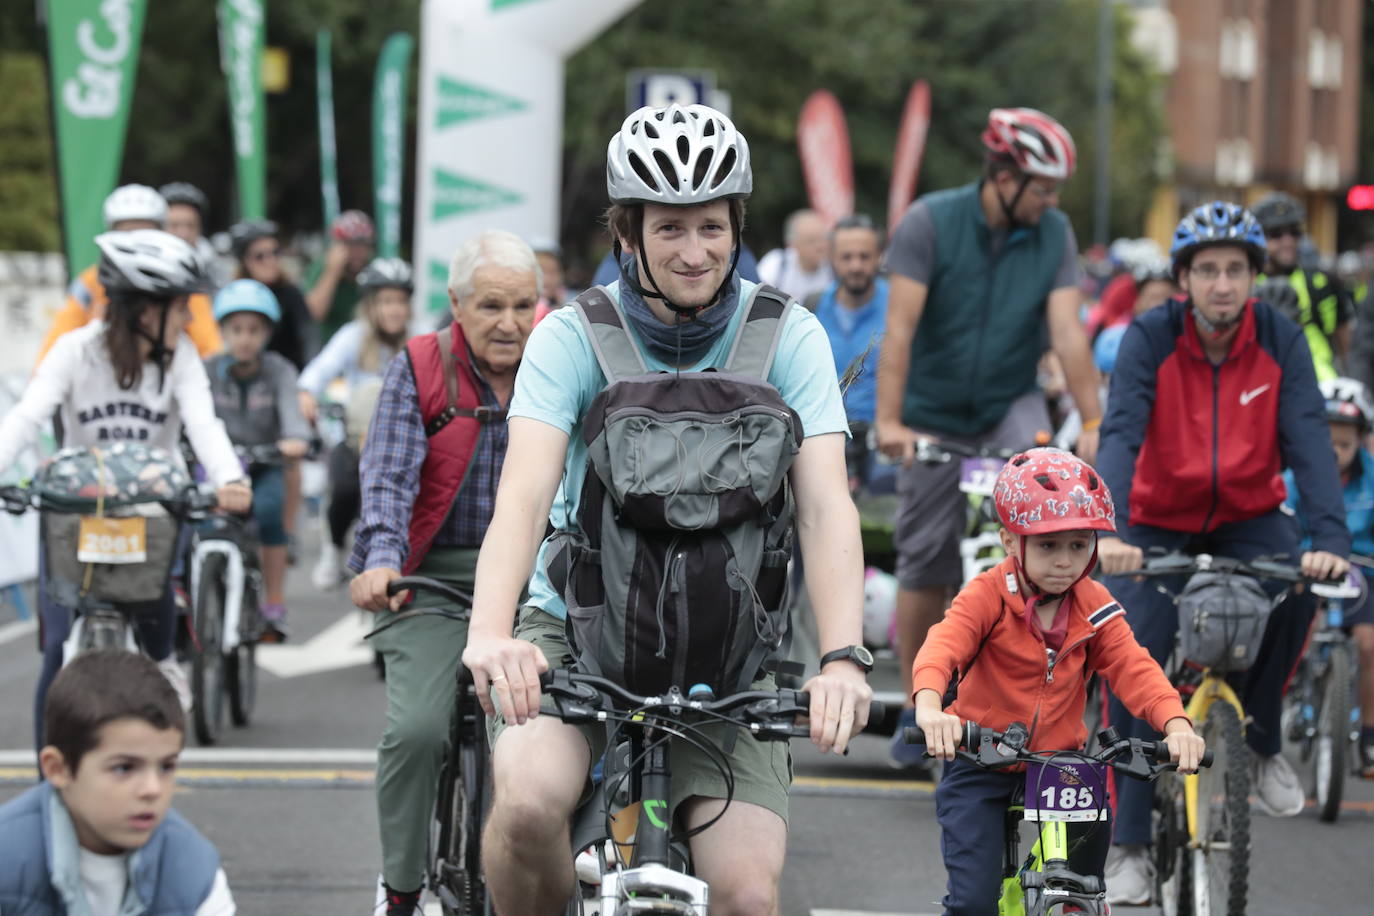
{"points": [[396, 903]]}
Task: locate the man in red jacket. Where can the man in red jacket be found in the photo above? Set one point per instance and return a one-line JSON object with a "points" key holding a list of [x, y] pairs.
{"points": [[430, 465], [1212, 396]]}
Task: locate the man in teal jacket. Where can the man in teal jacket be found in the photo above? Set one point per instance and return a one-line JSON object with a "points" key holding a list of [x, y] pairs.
{"points": [[976, 274]]}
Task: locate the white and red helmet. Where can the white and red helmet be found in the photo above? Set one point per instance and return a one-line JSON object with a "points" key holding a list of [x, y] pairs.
{"points": [[1045, 490], [1035, 142]]}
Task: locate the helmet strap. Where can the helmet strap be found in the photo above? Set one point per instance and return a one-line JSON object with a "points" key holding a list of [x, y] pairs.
{"points": [[682, 312], [159, 353], [1009, 209]]}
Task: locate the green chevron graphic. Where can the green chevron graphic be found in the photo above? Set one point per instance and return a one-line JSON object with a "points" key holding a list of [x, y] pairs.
{"points": [[455, 194], [459, 102], [438, 287], [502, 4]]}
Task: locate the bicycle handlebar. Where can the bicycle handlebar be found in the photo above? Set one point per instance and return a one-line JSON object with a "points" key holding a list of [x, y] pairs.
{"points": [[1175, 564], [767, 714], [426, 584], [995, 750]]}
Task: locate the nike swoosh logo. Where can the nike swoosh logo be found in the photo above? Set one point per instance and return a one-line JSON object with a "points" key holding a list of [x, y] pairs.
{"points": [[1247, 396]]}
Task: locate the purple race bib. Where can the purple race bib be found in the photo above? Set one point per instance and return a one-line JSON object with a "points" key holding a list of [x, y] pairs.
{"points": [[1066, 790], [979, 475]]}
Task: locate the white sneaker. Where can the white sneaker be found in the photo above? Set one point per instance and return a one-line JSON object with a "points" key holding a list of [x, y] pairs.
{"points": [[1129, 875], [1277, 790], [176, 676], [328, 572]]}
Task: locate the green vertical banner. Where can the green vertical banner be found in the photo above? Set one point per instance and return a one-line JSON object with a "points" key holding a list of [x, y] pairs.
{"points": [[242, 26], [92, 60], [329, 156], [389, 140]]}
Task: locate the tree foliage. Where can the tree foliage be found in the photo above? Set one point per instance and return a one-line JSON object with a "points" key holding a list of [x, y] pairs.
{"points": [[768, 54], [771, 54]]}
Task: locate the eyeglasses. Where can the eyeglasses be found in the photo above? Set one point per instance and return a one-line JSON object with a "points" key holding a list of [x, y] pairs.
{"points": [[1210, 272], [1281, 231], [265, 254]]}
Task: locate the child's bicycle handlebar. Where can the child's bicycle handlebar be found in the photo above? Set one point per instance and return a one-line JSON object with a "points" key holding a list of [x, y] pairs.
{"points": [[994, 750]]}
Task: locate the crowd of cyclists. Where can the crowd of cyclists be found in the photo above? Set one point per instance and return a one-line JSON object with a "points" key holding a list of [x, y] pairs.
{"points": [[612, 502]]}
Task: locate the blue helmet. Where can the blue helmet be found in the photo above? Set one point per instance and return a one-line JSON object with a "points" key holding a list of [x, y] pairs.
{"points": [[1106, 346], [247, 296], [1217, 223]]}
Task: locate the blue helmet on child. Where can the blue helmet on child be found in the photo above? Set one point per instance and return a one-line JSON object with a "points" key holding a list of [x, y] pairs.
{"points": [[1218, 223], [247, 296]]}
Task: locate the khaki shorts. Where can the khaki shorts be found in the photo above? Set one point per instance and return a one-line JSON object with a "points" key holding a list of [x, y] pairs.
{"points": [[934, 512], [762, 769]]}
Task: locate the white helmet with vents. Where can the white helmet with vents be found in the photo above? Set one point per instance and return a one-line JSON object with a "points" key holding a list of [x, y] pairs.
{"points": [[681, 155], [148, 261], [134, 201]]}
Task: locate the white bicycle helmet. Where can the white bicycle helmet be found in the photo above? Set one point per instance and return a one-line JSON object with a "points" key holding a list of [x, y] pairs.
{"points": [[681, 155], [134, 201], [1347, 401], [148, 261], [386, 273]]}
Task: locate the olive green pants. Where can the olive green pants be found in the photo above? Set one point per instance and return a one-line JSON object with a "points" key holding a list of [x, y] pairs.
{"points": [[422, 656]]}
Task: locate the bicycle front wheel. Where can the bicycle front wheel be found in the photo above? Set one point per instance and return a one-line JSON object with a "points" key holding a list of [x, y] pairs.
{"points": [[463, 799], [207, 663], [1173, 857], [1333, 732], [1221, 834]]}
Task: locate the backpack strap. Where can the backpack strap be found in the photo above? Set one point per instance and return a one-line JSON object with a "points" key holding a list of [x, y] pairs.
{"points": [[449, 363], [604, 323], [757, 341]]}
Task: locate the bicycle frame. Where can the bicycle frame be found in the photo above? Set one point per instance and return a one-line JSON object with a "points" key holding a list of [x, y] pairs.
{"points": [[1213, 689]]}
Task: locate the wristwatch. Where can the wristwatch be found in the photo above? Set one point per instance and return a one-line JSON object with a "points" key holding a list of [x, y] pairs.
{"points": [[856, 654]]}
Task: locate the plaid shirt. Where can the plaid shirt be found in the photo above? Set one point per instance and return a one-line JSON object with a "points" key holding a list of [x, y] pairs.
{"points": [[393, 453]]}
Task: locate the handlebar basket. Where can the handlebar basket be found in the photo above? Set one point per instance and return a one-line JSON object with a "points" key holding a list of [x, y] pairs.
{"points": [[119, 482], [1221, 620]]}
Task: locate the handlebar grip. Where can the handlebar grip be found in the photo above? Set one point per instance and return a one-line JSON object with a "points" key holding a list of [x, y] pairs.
{"points": [[913, 735], [1158, 752]]}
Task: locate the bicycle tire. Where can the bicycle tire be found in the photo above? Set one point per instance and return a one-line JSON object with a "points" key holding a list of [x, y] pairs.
{"points": [[207, 660], [1332, 745], [241, 681], [1173, 859], [460, 813], [1221, 857]]}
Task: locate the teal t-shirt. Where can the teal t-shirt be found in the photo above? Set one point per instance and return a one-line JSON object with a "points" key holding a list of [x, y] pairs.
{"points": [[559, 376]]}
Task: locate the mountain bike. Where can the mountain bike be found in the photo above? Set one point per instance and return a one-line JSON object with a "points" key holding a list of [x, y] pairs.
{"points": [[642, 865], [1061, 787], [1321, 717], [454, 841], [227, 596], [1202, 821]]}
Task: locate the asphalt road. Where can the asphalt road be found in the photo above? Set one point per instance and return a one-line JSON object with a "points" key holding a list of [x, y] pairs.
{"points": [[288, 800]]}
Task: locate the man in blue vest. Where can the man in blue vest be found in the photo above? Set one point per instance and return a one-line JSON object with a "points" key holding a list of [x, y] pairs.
{"points": [[1318, 302], [981, 270], [429, 469], [853, 311]]}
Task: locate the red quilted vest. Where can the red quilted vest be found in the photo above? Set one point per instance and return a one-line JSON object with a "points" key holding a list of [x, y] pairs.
{"points": [[451, 406]]}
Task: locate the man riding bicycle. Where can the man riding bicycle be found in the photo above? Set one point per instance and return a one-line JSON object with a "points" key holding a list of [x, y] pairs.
{"points": [[677, 178], [430, 464], [1212, 396], [981, 270]]}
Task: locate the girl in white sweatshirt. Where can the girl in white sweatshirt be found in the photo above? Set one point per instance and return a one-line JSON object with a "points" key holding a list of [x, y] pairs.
{"points": [[134, 377]]}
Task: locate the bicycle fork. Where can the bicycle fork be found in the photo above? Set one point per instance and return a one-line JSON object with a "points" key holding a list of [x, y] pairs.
{"points": [[651, 884]]}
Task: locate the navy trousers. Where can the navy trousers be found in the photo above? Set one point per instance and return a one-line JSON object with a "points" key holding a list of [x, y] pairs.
{"points": [[1154, 620]]}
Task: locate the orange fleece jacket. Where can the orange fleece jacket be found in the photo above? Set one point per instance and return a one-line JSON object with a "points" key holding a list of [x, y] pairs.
{"points": [[1014, 678]]}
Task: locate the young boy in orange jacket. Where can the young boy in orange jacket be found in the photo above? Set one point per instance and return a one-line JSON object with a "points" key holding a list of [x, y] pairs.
{"points": [[1025, 635]]}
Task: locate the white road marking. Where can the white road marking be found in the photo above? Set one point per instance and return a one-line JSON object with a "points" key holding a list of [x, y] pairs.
{"points": [[265, 756], [9, 632], [341, 645]]}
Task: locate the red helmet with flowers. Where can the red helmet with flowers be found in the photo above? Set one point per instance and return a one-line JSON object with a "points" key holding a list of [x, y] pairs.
{"points": [[353, 226], [1045, 490]]}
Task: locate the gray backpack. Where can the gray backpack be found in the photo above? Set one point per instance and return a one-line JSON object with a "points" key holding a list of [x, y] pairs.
{"points": [[675, 571]]}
